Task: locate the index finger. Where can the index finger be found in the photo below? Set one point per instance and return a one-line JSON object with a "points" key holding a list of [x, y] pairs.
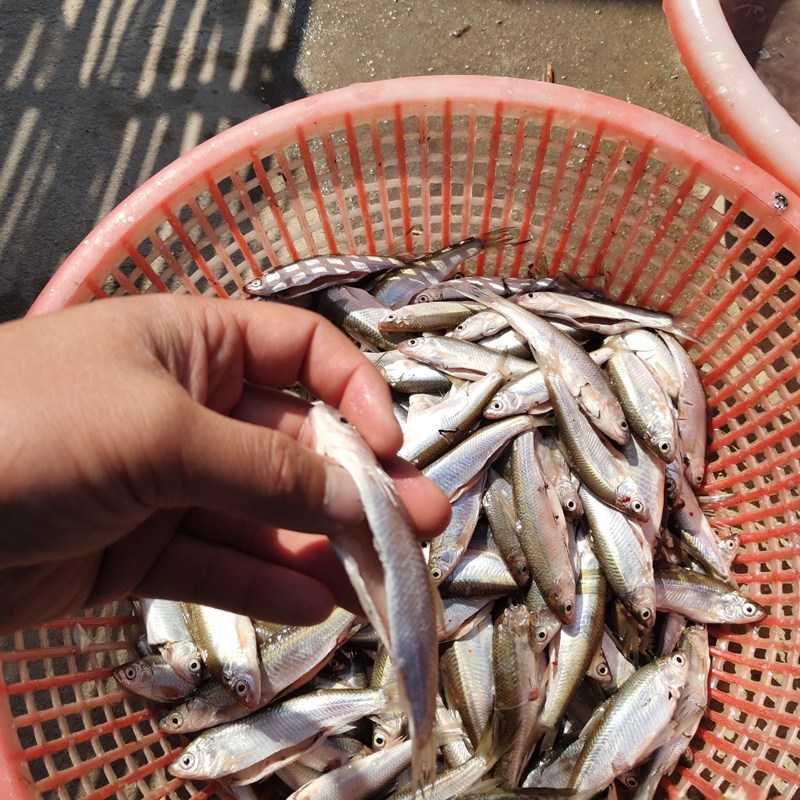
{"points": [[284, 345]]}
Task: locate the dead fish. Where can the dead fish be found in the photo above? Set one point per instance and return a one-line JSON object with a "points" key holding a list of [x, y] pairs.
{"points": [[543, 533], [391, 579], [153, 678], [228, 646], [703, 598], [311, 274]]}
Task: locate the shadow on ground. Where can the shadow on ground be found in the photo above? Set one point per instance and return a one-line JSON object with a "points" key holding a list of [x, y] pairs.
{"points": [[100, 96]]}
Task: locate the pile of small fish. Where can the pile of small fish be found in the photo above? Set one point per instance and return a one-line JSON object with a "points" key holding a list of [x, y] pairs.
{"points": [[553, 636]]}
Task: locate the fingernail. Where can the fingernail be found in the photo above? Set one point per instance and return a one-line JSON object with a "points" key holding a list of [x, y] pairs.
{"points": [[342, 500]]}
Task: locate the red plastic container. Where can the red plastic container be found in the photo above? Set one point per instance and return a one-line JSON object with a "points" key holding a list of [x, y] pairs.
{"points": [[740, 110], [669, 218]]}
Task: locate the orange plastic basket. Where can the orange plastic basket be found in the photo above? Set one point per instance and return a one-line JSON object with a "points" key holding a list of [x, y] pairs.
{"points": [[666, 216]]}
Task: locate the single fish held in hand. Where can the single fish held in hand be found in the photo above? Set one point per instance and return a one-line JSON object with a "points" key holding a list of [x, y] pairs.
{"points": [[400, 602]]}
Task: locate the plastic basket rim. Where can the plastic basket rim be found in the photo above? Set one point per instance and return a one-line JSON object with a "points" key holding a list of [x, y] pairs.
{"points": [[731, 89], [281, 126]]}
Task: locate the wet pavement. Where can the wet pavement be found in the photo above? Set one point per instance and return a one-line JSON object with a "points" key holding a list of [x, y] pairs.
{"points": [[98, 95]]}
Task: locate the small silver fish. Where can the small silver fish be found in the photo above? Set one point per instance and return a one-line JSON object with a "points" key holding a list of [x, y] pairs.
{"points": [[703, 598], [153, 678], [311, 274], [391, 579]]}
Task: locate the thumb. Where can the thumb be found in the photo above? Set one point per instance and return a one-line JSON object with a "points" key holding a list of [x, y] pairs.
{"points": [[263, 475]]}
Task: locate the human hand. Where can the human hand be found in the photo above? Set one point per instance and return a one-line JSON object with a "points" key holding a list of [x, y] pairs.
{"points": [[145, 449]]}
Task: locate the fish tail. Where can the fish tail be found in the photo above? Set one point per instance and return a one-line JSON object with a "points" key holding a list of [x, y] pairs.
{"points": [[495, 740], [683, 331], [500, 237], [423, 761]]}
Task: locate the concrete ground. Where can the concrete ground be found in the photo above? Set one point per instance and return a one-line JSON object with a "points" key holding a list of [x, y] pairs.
{"points": [[98, 95]]}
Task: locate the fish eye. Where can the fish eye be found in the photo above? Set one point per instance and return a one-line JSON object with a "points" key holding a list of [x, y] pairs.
{"points": [[336, 664], [568, 608], [679, 659], [413, 342], [637, 507], [749, 609], [255, 284], [645, 613], [175, 719], [541, 634], [524, 569], [343, 420], [624, 425], [195, 665], [241, 687], [436, 573], [130, 673], [378, 741], [630, 781], [663, 446], [187, 761], [729, 544], [602, 670], [497, 405], [570, 505], [423, 298]]}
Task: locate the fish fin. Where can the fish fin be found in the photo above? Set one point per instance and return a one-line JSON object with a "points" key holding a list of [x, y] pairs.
{"points": [[449, 733], [500, 237], [477, 293], [495, 740]]}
